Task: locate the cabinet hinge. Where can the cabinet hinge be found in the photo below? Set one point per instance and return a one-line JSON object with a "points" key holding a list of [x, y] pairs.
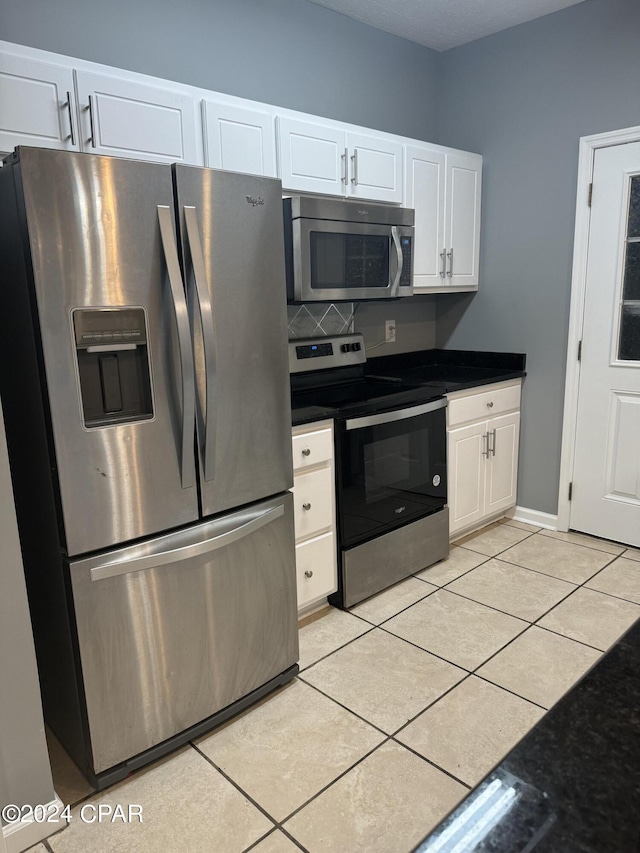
{"points": [[570, 491], [590, 199], [579, 350]]}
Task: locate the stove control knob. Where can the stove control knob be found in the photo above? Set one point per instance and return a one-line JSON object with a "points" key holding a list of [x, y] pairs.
{"points": [[345, 347], [305, 451], [356, 347], [306, 506], [308, 573]]}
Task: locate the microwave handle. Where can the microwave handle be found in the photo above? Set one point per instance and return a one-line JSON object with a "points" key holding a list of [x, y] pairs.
{"points": [[396, 242]]}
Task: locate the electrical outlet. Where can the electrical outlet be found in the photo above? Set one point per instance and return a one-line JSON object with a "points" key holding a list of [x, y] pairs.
{"points": [[389, 331]]}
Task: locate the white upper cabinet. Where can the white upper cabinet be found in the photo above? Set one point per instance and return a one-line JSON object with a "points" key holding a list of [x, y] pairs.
{"points": [[238, 139], [444, 189], [125, 118], [312, 158], [424, 189], [462, 218], [318, 158], [37, 104], [375, 168]]}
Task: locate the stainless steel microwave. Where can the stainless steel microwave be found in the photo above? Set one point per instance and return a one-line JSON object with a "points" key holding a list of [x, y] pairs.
{"points": [[339, 250]]}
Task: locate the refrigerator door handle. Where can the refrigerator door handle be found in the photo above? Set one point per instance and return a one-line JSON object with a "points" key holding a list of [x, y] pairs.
{"points": [[186, 552], [167, 236], [208, 337]]}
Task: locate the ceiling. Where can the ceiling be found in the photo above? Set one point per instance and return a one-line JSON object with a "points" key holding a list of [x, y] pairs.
{"points": [[441, 24]]}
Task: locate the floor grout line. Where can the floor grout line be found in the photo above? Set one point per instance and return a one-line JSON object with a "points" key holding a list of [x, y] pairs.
{"points": [[333, 782], [348, 643], [432, 763], [235, 785], [610, 594], [345, 707]]}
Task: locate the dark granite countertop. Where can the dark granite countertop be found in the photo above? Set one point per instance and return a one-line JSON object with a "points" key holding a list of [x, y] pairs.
{"points": [[450, 370], [576, 775], [309, 414], [443, 370]]}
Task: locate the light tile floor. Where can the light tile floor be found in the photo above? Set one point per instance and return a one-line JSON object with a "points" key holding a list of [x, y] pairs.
{"points": [[401, 707]]}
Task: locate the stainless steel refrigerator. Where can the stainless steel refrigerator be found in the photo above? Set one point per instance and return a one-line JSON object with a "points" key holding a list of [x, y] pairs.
{"points": [[146, 394]]}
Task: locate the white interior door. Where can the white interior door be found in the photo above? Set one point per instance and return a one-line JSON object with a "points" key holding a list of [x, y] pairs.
{"points": [[606, 474]]}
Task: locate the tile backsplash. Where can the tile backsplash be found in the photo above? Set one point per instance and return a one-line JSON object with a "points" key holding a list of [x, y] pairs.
{"points": [[320, 318]]}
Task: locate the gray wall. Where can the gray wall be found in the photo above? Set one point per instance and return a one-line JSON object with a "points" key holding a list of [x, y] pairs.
{"points": [[289, 53], [415, 320], [523, 98], [25, 776]]}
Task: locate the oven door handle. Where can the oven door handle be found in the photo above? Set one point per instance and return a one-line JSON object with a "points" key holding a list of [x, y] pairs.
{"points": [[398, 415]]}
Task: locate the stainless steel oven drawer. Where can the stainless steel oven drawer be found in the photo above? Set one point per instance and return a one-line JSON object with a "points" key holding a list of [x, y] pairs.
{"points": [[387, 559]]}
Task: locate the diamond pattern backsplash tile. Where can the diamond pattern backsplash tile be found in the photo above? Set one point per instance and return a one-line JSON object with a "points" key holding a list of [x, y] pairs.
{"points": [[320, 318]]}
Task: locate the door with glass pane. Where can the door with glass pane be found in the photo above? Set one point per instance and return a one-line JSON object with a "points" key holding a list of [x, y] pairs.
{"points": [[606, 476]]}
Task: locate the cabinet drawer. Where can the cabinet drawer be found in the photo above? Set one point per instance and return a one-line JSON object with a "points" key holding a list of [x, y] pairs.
{"points": [[313, 502], [483, 405], [316, 569], [312, 448]]}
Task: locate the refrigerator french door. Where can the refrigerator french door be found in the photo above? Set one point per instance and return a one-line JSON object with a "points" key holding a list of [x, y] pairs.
{"points": [[149, 426]]}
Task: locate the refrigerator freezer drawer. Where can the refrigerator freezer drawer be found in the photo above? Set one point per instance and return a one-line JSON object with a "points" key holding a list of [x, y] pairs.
{"points": [[175, 629]]}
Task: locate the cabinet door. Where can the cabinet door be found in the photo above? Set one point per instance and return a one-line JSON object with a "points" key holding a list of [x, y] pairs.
{"points": [[316, 569], [238, 139], [37, 105], [375, 168], [311, 157], [129, 119], [502, 467], [466, 475], [462, 218], [424, 186]]}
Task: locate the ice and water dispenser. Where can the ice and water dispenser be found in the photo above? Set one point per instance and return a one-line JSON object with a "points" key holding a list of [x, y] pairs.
{"points": [[113, 365]]}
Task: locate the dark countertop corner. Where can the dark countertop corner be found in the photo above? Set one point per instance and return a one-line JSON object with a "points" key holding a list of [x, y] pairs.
{"points": [[309, 414]]}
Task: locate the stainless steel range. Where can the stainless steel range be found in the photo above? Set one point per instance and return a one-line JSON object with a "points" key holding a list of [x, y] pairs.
{"points": [[391, 476]]}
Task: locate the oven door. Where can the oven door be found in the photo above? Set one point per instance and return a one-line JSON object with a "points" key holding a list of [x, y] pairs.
{"points": [[392, 469], [336, 261]]}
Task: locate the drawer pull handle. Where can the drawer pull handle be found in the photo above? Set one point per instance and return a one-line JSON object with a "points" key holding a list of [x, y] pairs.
{"points": [[308, 573], [306, 451], [306, 506], [489, 405]]}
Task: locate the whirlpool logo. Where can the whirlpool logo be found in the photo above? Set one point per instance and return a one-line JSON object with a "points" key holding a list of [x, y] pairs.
{"points": [[254, 200]]}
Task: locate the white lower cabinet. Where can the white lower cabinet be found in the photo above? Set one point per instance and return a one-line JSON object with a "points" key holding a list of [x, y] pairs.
{"points": [[482, 454], [315, 516]]}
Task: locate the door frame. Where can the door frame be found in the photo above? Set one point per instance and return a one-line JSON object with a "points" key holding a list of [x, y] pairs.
{"points": [[588, 147]]}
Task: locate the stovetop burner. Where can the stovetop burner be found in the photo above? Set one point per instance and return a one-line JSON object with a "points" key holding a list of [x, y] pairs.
{"points": [[329, 372]]}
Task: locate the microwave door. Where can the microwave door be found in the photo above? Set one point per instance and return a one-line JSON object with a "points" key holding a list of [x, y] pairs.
{"points": [[336, 261]]}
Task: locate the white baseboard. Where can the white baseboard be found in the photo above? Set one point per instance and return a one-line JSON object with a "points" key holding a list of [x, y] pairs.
{"points": [[533, 516], [24, 834]]}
